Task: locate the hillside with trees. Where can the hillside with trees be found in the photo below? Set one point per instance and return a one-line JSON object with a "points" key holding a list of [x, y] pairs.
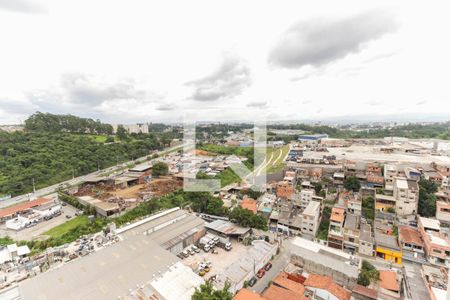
{"points": [[46, 122]]}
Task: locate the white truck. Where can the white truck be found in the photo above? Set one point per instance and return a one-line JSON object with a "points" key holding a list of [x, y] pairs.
{"points": [[222, 242]]}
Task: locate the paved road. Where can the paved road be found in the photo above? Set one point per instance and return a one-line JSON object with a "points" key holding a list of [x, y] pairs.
{"points": [[278, 264], [52, 189]]}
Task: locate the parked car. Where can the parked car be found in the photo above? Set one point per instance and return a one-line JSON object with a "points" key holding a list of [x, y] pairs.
{"points": [[252, 281], [68, 216], [261, 273], [268, 266], [185, 253], [195, 249]]}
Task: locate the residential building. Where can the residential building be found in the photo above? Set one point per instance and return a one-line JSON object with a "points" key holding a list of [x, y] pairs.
{"points": [[285, 189], [437, 244], [436, 281], [322, 260], [306, 196], [443, 212], [366, 240], [310, 219], [390, 284], [249, 204], [390, 172], [335, 231], [411, 243], [323, 287], [387, 248], [351, 201], [384, 202], [406, 194], [351, 233]]}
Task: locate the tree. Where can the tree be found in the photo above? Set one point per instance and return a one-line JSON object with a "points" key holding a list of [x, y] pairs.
{"points": [[351, 183], [160, 169], [368, 208], [427, 199], [246, 218], [317, 187], [368, 274], [121, 133], [207, 292]]}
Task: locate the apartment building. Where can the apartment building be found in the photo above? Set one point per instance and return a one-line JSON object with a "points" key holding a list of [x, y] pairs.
{"points": [[310, 219], [307, 196], [336, 229], [351, 233], [437, 244], [387, 248], [411, 243], [390, 172], [443, 211], [406, 194]]}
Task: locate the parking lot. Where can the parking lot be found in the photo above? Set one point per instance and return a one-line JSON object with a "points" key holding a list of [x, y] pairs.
{"points": [[36, 231], [219, 261]]}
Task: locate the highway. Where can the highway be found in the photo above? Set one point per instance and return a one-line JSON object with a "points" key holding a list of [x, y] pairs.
{"points": [[77, 180]]}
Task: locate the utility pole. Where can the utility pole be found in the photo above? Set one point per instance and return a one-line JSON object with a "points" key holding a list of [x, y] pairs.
{"points": [[98, 165], [73, 174], [34, 187]]}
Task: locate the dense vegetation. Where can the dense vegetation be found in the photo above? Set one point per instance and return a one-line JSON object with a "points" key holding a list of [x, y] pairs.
{"points": [[160, 169], [322, 232], [427, 199], [368, 274], [49, 158], [65, 123], [352, 183], [368, 208], [435, 130], [208, 292], [246, 218]]}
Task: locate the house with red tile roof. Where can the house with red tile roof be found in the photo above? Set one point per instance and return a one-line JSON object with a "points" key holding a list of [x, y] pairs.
{"points": [[325, 288], [389, 283], [246, 294], [250, 204]]}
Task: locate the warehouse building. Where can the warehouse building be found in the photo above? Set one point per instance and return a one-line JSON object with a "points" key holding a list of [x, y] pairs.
{"points": [[141, 266]]}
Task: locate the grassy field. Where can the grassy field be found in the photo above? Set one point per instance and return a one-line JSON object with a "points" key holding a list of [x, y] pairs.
{"points": [[60, 230], [277, 163]]}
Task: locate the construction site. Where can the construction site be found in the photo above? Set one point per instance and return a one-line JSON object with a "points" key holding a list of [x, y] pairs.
{"points": [[110, 196]]}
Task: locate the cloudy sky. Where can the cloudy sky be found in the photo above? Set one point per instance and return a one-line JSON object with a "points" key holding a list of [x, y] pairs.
{"points": [[132, 61]]}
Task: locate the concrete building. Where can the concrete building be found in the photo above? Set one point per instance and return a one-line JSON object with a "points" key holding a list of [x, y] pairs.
{"points": [[325, 261], [335, 231], [133, 128], [351, 233], [310, 219], [141, 266], [387, 248], [443, 212], [390, 172], [323, 287], [406, 194], [437, 244], [411, 243], [306, 196], [366, 240]]}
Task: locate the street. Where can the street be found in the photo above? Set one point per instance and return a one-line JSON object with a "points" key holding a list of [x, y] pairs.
{"points": [[278, 264]]}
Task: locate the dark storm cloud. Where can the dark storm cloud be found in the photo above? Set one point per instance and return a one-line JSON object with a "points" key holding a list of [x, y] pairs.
{"points": [[232, 77], [260, 104], [21, 6], [321, 41]]}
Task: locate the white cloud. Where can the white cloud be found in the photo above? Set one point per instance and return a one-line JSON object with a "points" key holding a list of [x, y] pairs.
{"points": [[136, 69]]}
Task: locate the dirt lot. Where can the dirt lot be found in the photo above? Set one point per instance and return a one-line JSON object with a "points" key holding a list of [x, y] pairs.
{"points": [[219, 262], [35, 231], [131, 192]]}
